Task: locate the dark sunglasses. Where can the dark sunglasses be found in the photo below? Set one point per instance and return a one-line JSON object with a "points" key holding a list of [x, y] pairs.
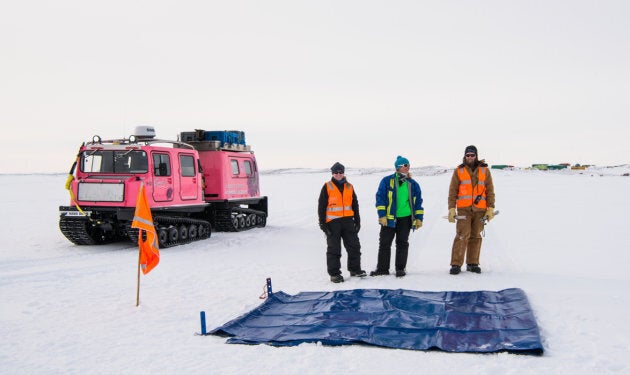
{"points": [[337, 172], [471, 155], [403, 165]]}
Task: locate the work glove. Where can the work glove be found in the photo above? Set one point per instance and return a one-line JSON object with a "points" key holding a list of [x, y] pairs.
{"points": [[417, 223], [357, 225], [325, 229], [490, 213], [451, 215], [382, 221]]}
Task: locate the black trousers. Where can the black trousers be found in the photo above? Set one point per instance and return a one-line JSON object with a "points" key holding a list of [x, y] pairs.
{"points": [[342, 229], [386, 237]]}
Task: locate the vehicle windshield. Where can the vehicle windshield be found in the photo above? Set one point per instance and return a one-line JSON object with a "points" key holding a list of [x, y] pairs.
{"points": [[119, 161]]}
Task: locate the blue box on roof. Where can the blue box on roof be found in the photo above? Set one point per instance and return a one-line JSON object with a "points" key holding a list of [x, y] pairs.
{"points": [[225, 136]]}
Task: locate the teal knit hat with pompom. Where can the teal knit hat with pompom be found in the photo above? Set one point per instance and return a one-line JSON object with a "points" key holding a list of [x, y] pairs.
{"points": [[400, 160]]}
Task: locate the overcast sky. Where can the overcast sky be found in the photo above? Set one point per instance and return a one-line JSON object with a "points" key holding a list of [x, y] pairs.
{"points": [[314, 82]]}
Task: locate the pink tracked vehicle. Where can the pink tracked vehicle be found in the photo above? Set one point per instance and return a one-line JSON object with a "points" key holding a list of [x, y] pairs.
{"points": [[206, 180]]}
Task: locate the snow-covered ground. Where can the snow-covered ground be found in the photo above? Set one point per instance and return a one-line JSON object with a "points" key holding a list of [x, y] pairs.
{"points": [[561, 236]]}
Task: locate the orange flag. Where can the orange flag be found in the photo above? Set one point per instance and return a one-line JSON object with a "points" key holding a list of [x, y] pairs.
{"points": [[142, 219]]}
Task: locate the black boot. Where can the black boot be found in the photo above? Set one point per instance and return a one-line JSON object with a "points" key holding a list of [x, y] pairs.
{"points": [[455, 270], [473, 268], [379, 273], [336, 279], [359, 273]]}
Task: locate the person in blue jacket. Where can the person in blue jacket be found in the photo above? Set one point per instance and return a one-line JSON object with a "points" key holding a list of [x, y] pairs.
{"points": [[399, 208]]}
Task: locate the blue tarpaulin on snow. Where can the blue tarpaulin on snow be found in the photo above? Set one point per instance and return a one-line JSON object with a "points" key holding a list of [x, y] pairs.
{"points": [[479, 321]]}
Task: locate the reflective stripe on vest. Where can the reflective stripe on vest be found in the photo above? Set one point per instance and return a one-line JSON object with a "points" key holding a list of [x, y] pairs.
{"points": [[467, 194], [339, 205]]}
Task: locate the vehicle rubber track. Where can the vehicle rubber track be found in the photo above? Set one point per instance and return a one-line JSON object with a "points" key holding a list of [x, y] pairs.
{"points": [[238, 219], [82, 232], [173, 231]]}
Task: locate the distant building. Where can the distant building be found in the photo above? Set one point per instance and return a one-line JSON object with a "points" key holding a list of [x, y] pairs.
{"points": [[502, 166]]}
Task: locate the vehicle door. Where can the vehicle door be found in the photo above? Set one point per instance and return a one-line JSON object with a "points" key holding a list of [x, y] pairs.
{"points": [[188, 177], [162, 178]]}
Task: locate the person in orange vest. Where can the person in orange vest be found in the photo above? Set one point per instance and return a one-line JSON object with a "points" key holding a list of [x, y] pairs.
{"points": [[338, 212], [399, 209], [471, 195]]}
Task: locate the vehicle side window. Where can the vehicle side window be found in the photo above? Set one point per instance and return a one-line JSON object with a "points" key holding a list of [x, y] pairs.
{"points": [[187, 164], [161, 165], [248, 168], [234, 164]]}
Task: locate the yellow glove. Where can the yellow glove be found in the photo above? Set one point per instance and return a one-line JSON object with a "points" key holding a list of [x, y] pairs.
{"points": [[451, 215], [382, 221], [417, 223], [490, 213]]}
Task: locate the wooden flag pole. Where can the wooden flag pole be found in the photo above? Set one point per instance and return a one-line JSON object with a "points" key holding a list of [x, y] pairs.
{"points": [[148, 250], [138, 285]]}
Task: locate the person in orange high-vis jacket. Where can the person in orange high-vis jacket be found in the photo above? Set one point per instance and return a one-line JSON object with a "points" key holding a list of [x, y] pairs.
{"points": [[471, 195], [338, 212]]}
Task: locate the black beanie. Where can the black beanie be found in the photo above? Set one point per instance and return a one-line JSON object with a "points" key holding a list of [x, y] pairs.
{"points": [[471, 149], [338, 167]]}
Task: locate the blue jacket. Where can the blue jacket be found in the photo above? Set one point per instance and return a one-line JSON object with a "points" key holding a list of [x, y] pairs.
{"points": [[386, 199]]}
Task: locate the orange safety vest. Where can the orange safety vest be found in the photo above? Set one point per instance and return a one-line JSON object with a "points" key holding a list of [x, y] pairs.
{"points": [[339, 205], [467, 194]]}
